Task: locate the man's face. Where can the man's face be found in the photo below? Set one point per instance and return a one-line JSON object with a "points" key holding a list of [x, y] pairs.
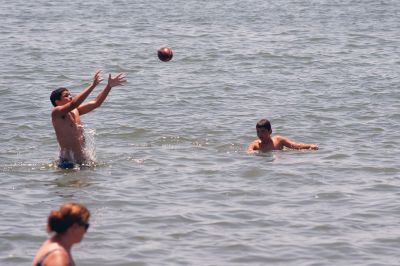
{"points": [[65, 98], [263, 133]]}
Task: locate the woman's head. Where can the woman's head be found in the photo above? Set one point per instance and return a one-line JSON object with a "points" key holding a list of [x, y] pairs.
{"points": [[59, 221]]}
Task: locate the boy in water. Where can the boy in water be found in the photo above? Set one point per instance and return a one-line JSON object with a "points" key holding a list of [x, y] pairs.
{"points": [[66, 120], [266, 142]]}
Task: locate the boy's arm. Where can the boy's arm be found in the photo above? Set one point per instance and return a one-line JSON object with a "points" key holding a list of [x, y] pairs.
{"points": [[254, 146], [78, 99], [112, 82], [298, 146]]}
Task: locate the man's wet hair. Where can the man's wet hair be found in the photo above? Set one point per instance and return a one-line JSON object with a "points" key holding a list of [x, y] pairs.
{"points": [[264, 123], [56, 95]]}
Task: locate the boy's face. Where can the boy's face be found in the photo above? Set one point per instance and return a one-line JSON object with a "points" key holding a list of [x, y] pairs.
{"points": [[263, 133], [65, 98]]}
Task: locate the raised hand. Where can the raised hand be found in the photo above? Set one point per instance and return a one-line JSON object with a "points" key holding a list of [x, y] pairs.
{"points": [[314, 147], [117, 80], [97, 78]]}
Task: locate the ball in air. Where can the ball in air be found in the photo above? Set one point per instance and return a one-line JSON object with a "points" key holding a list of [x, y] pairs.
{"points": [[165, 54]]}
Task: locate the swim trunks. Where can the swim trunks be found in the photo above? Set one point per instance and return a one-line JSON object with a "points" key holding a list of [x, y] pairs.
{"points": [[65, 164]]}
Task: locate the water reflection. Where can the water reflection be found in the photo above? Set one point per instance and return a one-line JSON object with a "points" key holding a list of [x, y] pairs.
{"points": [[67, 181]]}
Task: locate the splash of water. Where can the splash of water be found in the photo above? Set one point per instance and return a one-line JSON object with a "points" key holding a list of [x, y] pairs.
{"points": [[90, 147]]}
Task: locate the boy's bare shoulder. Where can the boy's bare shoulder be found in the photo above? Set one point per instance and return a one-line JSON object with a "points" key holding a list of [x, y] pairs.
{"points": [[56, 111], [279, 138], [279, 141]]}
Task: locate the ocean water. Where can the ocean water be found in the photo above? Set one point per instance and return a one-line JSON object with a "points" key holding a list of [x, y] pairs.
{"points": [[172, 184]]}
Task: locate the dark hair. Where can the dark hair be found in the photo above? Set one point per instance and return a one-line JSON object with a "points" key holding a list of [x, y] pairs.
{"points": [[264, 123], [70, 213], [56, 95]]}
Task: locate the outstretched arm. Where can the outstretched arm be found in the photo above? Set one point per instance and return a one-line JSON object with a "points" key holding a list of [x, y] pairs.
{"points": [[78, 99], [117, 80], [297, 146]]}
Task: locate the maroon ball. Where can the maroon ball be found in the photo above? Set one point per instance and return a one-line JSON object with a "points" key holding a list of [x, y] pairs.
{"points": [[165, 54]]}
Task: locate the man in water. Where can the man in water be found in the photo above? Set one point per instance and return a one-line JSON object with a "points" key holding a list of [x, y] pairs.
{"points": [[66, 119], [266, 142]]}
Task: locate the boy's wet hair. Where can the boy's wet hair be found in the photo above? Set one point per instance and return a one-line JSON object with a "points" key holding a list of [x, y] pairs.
{"points": [[56, 95], [264, 123]]}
